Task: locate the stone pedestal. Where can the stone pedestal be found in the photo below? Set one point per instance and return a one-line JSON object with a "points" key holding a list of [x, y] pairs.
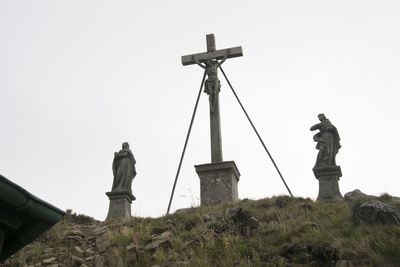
{"points": [[328, 178], [218, 182], [120, 204]]}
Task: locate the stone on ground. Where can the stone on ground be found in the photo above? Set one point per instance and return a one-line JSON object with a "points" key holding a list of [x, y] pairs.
{"points": [[376, 211]]}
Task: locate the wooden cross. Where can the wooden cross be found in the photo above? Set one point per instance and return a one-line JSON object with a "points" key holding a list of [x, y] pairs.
{"points": [[209, 61]]}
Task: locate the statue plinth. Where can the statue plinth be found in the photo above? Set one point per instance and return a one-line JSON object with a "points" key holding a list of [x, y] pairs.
{"points": [[218, 182], [328, 177], [120, 204]]}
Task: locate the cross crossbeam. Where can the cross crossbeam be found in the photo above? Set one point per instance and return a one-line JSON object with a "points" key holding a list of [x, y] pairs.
{"points": [[217, 54]]}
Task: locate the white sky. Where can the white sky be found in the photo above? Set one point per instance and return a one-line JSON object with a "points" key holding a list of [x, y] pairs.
{"points": [[78, 78]]}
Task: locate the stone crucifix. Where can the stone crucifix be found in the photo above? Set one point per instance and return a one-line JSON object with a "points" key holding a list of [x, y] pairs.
{"points": [[210, 61]]}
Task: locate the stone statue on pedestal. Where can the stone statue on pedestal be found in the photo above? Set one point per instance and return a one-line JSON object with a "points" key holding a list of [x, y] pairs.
{"points": [[325, 169], [121, 192]]}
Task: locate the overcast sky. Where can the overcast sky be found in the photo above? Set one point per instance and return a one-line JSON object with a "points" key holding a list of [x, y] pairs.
{"points": [[78, 78]]}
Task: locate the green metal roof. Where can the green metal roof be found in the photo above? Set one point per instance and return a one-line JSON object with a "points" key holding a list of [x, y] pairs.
{"points": [[23, 217]]}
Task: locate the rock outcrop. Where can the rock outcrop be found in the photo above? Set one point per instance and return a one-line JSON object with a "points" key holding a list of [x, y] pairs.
{"points": [[375, 211]]}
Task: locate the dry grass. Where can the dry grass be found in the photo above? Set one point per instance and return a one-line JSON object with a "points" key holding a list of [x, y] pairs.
{"points": [[290, 230]]}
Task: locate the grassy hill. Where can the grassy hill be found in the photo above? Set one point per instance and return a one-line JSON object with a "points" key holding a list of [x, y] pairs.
{"points": [[279, 231]]}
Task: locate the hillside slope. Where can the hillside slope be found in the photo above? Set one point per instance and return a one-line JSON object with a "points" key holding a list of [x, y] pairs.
{"points": [[280, 231]]}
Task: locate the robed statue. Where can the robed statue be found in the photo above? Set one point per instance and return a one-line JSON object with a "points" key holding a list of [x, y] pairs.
{"points": [[123, 169], [327, 142]]}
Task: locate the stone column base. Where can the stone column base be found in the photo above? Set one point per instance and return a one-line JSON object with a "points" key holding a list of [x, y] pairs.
{"points": [[218, 182], [328, 177], [120, 204]]}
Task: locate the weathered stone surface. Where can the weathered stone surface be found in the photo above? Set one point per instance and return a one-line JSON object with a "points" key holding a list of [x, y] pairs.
{"points": [[183, 210], [376, 211], [238, 215], [103, 241], [344, 263], [76, 261], [100, 230], [89, 252], [99, 261], [74, 238], [78, 251], [120, 204], [218, 182], [158, 240], [49, 260], [328, 178], [89, 259], [356, 194], [131, 246], [136, 240], [76, 232], [182, 263], [243, 219], [48, 250]]}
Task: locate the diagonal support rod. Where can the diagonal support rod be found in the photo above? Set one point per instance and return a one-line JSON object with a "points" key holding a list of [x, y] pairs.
{"points": [[255, 130], [186, 142]]}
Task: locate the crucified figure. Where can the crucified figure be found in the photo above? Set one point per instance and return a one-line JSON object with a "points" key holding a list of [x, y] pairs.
{"points": [[212, 85]]}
